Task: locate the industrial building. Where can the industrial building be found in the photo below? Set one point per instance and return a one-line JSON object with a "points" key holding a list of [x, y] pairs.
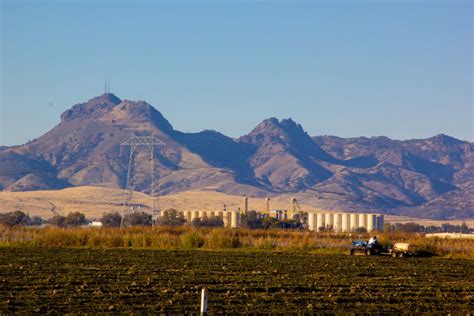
{"points": [[317, 221], [345, 222], [231, 219]]}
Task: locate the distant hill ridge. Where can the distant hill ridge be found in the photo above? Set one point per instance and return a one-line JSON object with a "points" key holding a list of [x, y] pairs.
{"points": [[431, 178]]}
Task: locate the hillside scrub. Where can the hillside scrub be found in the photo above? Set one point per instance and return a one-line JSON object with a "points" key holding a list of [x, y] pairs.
{"points": [[184, 237]]}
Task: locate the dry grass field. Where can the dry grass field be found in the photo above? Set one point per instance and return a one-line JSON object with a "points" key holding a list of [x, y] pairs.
{"points": [[185, 237], [94, 201]]}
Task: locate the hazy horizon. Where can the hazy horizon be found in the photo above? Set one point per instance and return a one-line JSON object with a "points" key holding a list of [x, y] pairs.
{"points": [[396, 69]]}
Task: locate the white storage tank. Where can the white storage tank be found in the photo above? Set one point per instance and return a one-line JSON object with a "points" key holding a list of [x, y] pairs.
{"points": [[194, 215], [363, 220], [235, 219], [338, 222], [188, 216], [329, 219], [311, 221], [227, 219], [354, 221], [316, 224], [320, 221], [371, 222], [346, 222], [380, 222]]}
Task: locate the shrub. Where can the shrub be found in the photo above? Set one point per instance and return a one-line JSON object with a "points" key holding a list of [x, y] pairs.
{"points": [[361, 230], [219, 238], [111, 220], [171, 217], [222, 239], [207, 222], [36, 221], [75, 219], [14, 219], [191, 240], [137, 219], [57, 220]]}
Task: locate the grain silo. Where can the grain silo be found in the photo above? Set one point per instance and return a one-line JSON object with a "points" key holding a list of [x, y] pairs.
{"points": [[320, 221]]}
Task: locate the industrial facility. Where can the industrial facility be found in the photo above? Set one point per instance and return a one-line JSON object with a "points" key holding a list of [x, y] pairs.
{"points": [[314, 221], [345, 222]]}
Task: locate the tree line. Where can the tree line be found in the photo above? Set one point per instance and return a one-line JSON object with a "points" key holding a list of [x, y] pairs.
{"points": [[173, 217], [430, 229], [170, 217]]}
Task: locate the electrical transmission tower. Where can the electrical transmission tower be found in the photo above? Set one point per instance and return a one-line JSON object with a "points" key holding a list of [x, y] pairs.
{"points": [[151, 143]]}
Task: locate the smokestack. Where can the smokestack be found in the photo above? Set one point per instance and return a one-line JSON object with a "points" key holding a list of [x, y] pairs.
{"points": [[267, 205]]}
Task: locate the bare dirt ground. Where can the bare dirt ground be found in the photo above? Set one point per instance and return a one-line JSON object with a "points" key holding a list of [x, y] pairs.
{"points": [[48, 280]]}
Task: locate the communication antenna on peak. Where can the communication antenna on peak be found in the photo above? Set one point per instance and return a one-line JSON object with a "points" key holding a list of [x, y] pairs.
{"points": [[107, 86], [151, 143]]}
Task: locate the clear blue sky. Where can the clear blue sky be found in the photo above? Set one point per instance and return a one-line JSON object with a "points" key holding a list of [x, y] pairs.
{"points": [[401, 68]]}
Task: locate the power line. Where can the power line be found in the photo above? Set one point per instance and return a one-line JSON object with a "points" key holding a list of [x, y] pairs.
{"points": [[133, 143], [105, 161], [185, 167]]}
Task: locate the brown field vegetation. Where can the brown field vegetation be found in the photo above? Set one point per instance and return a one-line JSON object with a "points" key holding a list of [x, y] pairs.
{"points": [[168, 238]]}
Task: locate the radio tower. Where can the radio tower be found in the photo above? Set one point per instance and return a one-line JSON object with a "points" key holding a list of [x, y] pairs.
{"points": [[151, 143]]}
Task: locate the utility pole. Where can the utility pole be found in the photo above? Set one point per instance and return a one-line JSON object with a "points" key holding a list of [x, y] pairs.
{"points": [[151, 143]]}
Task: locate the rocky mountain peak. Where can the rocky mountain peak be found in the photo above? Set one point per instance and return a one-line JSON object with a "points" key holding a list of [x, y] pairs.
{"points": [[105, 98], [141, 111], [91, 108], [273, 130], [444, 140]]}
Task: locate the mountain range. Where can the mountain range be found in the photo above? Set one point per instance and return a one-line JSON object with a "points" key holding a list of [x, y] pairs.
{"points": [[429, 178]]}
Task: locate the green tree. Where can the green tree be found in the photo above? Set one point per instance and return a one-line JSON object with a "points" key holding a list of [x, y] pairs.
{"points": [[251, 220], [387, 227], [207, 222], [75, 219], [410, 228], [464, 228], [14, 219], [36, 221], [111, 220], [360, 230], [57, 220], [270, 222], [171, 217], [137, 219]]}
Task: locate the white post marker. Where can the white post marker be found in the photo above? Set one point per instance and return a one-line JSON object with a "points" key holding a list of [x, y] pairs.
{"points": [[204, 301]]}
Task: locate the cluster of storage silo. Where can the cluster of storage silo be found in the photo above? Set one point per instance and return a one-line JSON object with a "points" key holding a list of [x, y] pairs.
{"points": [[333, 221], [231, 219], [345, 222]]}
